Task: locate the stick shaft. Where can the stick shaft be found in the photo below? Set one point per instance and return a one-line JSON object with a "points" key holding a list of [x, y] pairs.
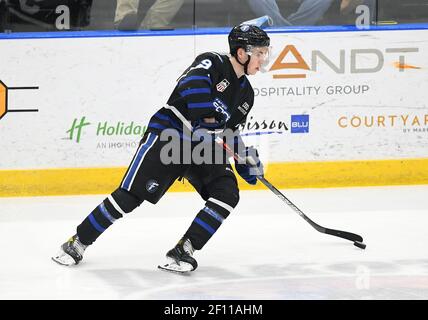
{"points": [[337, 233]]}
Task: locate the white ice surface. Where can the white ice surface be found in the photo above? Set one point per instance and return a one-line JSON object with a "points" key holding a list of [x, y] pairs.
{"points": [[264, 250]]}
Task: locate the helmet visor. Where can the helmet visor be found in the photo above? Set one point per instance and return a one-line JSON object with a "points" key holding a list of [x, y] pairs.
{"points": [[262, 54]]}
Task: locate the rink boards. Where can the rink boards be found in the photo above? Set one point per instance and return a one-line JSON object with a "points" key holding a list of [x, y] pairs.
{"points": [[334, 109]]}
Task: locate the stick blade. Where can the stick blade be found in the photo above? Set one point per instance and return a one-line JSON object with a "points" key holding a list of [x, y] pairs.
{"points": [[359, 245], [345, 235]]}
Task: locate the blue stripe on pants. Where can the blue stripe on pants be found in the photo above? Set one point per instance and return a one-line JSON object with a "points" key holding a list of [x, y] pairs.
{"points": [[144, 148]]}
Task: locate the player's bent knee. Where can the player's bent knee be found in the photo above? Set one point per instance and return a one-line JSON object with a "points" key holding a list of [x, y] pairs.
{"points": [[123, 201], [234, 198], [226, 189], [230, 198], [224, 196]]}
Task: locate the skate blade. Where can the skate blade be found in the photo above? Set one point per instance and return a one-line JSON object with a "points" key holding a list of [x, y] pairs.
{"points": [[64, 259], [172, 266]]}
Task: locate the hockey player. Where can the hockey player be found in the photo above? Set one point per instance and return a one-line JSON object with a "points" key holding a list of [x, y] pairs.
{"points": [[214, 94]]}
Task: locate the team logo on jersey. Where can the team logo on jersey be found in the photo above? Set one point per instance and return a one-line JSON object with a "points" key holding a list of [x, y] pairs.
{"points": [[152, 186], [244, 108], [221, 107], [222, 85]]}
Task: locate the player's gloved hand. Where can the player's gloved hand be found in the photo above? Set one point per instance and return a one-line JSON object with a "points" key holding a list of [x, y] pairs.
{"points": [[209, 127], [252, 166]]}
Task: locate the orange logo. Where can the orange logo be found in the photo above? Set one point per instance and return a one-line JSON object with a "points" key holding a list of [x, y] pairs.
{"points": [[351, 61], [3, 99], [4, 91], [401, 66], [279, 64]]}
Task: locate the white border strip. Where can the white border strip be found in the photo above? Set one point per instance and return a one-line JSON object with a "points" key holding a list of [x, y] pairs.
{"points": [[221, 204]]}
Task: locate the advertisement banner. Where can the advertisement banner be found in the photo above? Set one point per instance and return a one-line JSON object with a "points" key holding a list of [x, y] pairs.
{"points": [[344, 95], [327, 96], [91, 98]]}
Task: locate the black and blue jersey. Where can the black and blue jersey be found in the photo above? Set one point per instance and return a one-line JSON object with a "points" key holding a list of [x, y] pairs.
{"points": [[209, 87]]}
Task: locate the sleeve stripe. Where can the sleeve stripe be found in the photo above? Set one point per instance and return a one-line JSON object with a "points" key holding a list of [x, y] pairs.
{"points": [[162, 116], [195, 91], [200, 105], [167, 118], [156, 125], [192, 78]]}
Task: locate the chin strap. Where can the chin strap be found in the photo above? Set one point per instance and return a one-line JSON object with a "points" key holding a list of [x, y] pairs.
{"points": [[245, 65]]}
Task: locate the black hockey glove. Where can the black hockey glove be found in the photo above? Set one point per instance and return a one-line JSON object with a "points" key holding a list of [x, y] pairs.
{"points": [[252, 166], [214, 128], [210, 130]]}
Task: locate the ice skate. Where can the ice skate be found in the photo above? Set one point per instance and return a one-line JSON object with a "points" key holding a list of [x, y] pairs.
{"points": [[180, 258], [71, 252]]}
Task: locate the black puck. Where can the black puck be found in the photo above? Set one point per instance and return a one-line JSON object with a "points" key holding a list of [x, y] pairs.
{"points": [[359, 245]]}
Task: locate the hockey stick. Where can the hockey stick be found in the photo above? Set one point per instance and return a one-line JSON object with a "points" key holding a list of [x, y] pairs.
{"points": [[357, 239]]}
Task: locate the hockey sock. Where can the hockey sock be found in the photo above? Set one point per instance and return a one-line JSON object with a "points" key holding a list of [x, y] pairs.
{"points": [[207, 222], [103, 216]]}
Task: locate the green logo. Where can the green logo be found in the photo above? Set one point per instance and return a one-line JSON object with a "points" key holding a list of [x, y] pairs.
{"points": [[106, 129], [77, 128]]}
